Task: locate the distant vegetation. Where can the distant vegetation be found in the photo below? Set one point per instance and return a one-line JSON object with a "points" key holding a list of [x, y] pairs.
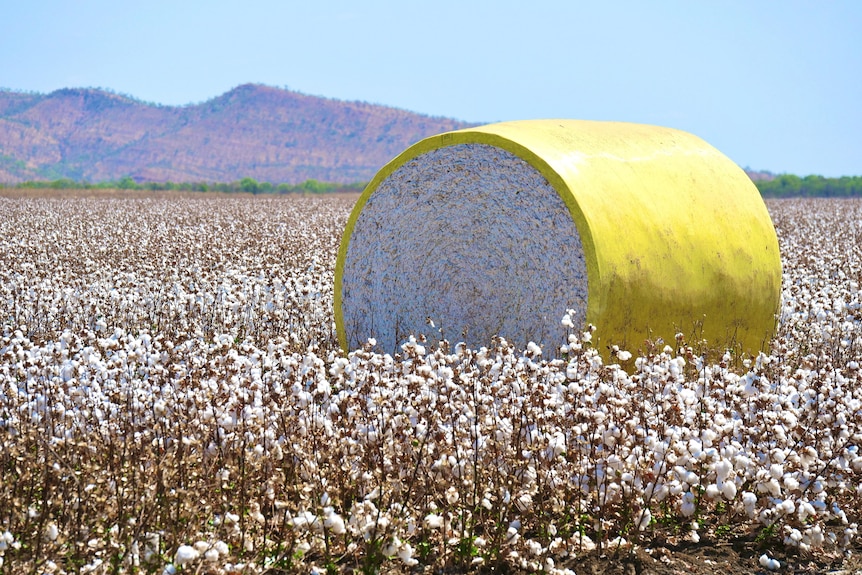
{"points": [[245, 185], [781, 186], [790, 186]]}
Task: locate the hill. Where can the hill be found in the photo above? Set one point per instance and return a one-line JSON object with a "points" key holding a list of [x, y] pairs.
{"points": [[265, 133]]}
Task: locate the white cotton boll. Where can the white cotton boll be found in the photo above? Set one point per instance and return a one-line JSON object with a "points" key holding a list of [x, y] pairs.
{"points": [[787, 506], [534, 547], [687, 507], [749, 501], [773, 487], [742, 462], [805, 510], [392, 547], [524, 502], [815, 535], [185, 554], [712, 491], [335, 523], [211, 556], [722, 468], [405, 553], [624, 356], [776, 470], [790, 483], [769, 563], [728, 489], [305, 519], [452, 496], [51, 531], [709, 436], [221, 547], [433, 521], [646, 517]]}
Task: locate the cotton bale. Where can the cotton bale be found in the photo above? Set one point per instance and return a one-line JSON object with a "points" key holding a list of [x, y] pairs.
{"points": [[497, 230]]}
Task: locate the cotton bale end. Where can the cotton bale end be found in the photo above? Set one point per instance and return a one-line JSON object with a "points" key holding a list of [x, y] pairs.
{"points": [[643, 231]]}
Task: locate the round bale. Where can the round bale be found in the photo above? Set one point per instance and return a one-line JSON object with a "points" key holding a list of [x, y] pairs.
{"points": [[498, 230]]}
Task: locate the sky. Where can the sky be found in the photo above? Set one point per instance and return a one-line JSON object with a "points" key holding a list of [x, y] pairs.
{"points": [[774, 84]]}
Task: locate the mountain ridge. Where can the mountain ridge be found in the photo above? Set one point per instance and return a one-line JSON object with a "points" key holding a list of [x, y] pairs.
{"points": [[269, 134]]}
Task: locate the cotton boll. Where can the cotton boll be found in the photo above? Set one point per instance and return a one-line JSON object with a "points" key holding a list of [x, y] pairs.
{"points": [[334, 522], [646, 517], [185, 554], [722, 468], [791, 483], [433, 521], [815, 535], [392, 547], [776, 470], [304, 520], [728, 489], [687, 506], [452, 496], [712, 491], [405, 553], [787, 506], [749, 500], [794, 537], [773, 487], [51, 531], [768, 563], [805, 510]]}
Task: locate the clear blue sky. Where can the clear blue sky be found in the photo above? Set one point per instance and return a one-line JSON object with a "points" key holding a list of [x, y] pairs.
{"points": [[775, 85]]}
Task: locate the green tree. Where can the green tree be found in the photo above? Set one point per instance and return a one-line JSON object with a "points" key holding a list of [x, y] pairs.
{"points": [[249, 185]]}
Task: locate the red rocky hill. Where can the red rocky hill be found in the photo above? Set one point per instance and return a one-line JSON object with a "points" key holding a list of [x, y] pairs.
{"points": [[265, 133]]}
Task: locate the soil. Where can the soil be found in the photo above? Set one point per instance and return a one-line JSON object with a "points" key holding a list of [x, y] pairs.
{"points": [[739, 556]]}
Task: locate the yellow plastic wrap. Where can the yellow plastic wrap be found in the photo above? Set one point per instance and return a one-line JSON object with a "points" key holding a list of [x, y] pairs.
{"points": [[676, 237]]}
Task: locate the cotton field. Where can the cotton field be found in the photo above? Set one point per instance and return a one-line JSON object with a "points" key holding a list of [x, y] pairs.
{"points": [[172, 399]]}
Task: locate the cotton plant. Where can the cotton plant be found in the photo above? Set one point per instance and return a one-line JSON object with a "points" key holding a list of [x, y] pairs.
{"points": [[187, 407]]}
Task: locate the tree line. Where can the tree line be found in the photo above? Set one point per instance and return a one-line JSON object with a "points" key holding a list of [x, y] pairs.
{"points": [[790, 186], [781, 186]]}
